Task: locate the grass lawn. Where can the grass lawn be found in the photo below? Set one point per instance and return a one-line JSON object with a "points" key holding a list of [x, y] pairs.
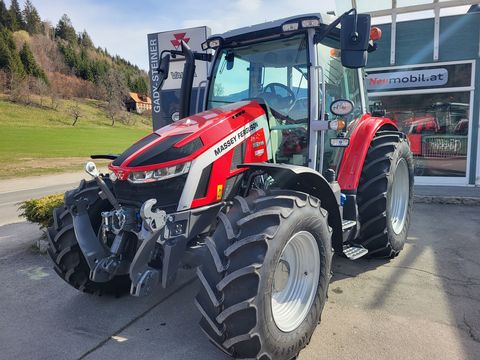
{"points": [[37, 140]]}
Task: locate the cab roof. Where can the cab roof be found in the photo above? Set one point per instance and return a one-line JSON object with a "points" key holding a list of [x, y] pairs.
{"points": [[269, 28]]}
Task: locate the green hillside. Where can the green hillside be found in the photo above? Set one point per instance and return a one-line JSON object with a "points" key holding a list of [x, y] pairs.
{"points": [[36, 140], [49, 76], [60, 60]]}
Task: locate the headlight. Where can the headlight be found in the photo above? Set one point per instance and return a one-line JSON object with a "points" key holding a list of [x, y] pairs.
{"points": [[142, 177]]}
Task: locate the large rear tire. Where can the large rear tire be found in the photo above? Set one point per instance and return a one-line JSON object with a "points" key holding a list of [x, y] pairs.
{"points": [[385, 195], [265, 277], [69, 262]]}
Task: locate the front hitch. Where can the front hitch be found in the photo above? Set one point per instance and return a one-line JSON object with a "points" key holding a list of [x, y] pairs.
{"points": [[145, 278]]}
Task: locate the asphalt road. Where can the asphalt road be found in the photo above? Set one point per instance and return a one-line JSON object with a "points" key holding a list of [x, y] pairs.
{"points": [[9, 201], [425, 304], [14, 191]]}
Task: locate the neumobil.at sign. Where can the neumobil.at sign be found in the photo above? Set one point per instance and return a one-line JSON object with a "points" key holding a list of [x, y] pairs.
{"points": [[407, 79]]}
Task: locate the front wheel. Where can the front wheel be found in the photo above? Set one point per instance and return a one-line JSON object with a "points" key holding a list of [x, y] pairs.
{"points": [[265, 277]]}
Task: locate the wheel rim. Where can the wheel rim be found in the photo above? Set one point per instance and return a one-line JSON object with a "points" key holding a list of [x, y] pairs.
{"points": [[295, 281], [400, 197]]}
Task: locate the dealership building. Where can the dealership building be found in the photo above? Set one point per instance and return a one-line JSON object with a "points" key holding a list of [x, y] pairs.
{"points": [[426, 75]]}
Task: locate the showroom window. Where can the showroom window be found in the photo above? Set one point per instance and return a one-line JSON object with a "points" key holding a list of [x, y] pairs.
{"points": [[432, 105]]}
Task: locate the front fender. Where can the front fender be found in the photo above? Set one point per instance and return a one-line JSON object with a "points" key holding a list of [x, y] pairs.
{"points": [[354, 155], [304, 179]]}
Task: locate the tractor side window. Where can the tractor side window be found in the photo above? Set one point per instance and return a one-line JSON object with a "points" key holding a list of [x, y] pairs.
{"points": [[231, 82], [340, 82]]}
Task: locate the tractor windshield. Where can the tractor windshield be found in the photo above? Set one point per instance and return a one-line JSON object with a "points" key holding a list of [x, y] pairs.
{"points": [[274, 72]]}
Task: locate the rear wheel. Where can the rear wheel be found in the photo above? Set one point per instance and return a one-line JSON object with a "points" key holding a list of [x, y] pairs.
{"points": [[385, 194], [264, 279], [69, 262]]}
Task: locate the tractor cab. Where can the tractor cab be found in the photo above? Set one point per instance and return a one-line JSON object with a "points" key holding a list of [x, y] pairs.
{"points": [[293, 68]]}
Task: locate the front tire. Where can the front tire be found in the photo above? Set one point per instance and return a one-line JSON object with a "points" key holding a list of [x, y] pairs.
{"points": [[68, 259], [249, 309], [385, 195]]}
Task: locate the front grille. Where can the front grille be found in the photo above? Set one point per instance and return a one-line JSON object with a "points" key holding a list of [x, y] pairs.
{"points": [[167, 192]]}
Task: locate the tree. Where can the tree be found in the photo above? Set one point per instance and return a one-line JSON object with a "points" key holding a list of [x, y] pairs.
{"points": [[19, 90], [65, 30], [3, 14], [85, 66], [9, 58], [30, 65], [76, 112], [14, 19], [69, 55], [116, 89], [139, 85], [33, 23], [85, 40], [3, 80], [39, 87], [5, 55]]}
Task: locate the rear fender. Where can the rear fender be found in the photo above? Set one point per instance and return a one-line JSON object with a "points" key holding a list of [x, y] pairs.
{"points": [[304, 179], [354, 155]]}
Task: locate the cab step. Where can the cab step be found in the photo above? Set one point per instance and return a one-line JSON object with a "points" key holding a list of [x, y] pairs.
{"points": [[349, 229], [348, 224], [354, 252]]}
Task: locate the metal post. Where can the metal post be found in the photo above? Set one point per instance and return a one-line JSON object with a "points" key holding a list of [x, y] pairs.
{"points": [[393, 34], [314, 99], [436, 31]]}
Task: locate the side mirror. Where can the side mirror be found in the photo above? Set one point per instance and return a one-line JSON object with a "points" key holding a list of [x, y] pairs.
{"points": [[354, 38]]}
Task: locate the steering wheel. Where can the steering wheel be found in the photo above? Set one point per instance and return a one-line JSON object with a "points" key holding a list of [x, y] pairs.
{"points": [[284, 101]]}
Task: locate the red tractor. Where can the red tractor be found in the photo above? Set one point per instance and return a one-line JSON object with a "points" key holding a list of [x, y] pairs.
{"points": [[284, 167]]}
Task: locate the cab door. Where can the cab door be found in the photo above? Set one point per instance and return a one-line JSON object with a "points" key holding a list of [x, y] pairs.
{"points": [[337, 82]]}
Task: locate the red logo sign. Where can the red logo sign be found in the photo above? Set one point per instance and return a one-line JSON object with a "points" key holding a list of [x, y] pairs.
{"points": [[178, 37]]}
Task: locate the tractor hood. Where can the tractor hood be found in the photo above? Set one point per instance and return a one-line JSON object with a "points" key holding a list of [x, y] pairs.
{"points": [[185, 139]]}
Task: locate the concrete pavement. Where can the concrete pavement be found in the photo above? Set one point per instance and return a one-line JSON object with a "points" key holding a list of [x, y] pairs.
{"points": [[456, 195], [424, 304]]}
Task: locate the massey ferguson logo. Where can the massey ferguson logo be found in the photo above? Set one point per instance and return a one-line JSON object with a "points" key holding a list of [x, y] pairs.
{"points": [[238, 137], [179, 37]]}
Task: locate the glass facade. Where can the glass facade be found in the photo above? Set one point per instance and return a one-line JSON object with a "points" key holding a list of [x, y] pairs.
{"points": [[431, 104], [437, 128]]}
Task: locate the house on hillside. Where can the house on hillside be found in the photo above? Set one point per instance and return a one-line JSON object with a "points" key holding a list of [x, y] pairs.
{"points": [[138, 102]]}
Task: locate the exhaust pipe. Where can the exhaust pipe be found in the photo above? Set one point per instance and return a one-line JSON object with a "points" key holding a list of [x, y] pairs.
{"points": [[187, 80]]}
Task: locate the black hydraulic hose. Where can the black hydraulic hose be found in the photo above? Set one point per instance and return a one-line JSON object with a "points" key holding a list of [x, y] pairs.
{"points": [[187, 80]]}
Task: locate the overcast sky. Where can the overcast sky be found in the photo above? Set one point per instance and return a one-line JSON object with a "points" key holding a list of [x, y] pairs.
{"points": [[122, 26]]}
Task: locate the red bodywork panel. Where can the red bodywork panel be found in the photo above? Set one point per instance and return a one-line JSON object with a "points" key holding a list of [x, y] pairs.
{"points": [[354, 155], [210, 126], [221, 131]]}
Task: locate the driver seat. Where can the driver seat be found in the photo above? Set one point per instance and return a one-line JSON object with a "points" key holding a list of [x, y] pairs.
{"points": [[275, 135]]}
